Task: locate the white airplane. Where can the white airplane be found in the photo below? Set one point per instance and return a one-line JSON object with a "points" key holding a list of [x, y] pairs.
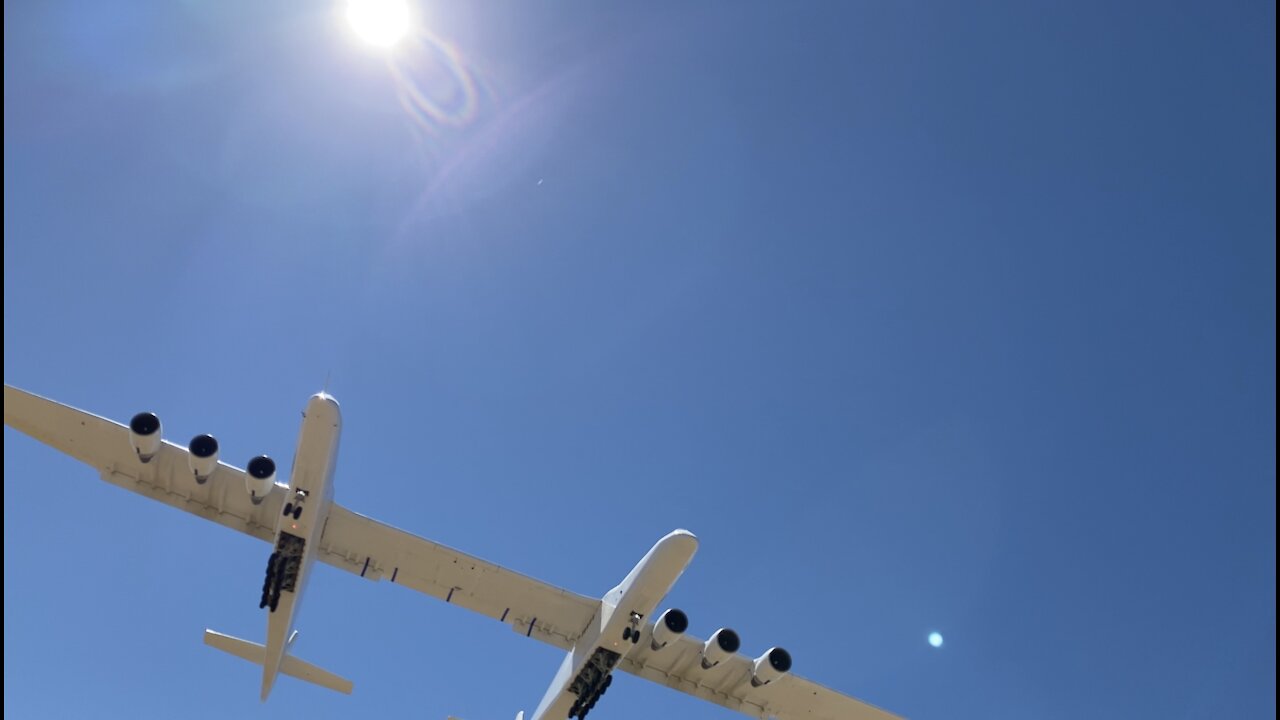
{"points": [[304, 524]]}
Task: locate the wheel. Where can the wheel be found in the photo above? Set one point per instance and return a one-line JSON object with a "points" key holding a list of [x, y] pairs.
{"points": [[635, 638], [608, 681], [288, 508], [626, 633], [263, 602], [297, 512]]}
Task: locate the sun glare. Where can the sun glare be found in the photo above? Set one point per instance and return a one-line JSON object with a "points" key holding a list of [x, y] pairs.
{"points": [[379, 22]]}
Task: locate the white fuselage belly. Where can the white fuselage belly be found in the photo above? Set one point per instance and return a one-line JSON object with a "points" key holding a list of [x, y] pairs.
{"points": [[640, 592], [311, 485]]}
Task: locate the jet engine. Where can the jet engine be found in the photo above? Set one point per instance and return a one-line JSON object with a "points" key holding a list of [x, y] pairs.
{"points": [[770, 666], [144, 435], [722, 644], [260, 477], [202, 457], [670, 626]]}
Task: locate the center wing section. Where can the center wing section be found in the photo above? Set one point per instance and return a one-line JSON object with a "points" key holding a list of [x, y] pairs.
{"points": [[790, 697], [104, 445], [374, 551]]}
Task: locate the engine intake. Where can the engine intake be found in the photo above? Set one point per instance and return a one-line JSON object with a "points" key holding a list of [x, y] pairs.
{"points": [[202, 457], [722, 644], [260, 477], [770, 666], [670, 626], [144, 435]]}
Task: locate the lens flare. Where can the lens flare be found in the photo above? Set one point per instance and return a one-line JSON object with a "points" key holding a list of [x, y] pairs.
{"points": [[435, 85]]}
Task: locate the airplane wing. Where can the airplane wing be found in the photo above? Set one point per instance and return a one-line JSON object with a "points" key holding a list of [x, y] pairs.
{"points": [[350, 541], [375, 551], [104, 445], [679, 666]]}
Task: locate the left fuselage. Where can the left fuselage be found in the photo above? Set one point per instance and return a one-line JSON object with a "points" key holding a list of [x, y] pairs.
{"points": [[298, 530]]}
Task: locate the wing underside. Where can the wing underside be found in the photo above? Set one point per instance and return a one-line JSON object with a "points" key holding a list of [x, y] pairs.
{"points": [[679, 666], [377, 551], [350, 541], [104, 445]]}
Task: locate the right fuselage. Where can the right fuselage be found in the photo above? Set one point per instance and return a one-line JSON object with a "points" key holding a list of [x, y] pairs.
{"points": [[616, 628]]}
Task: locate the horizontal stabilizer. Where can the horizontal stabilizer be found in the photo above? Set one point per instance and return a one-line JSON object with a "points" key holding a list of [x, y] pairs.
{"points": [[291, 666], [243, 649], [303, 670]]}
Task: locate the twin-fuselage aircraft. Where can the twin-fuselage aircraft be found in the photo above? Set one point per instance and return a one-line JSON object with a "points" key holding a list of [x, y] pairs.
{"points": [[303, 523]]}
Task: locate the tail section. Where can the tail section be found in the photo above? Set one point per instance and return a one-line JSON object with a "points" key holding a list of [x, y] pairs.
{"points": [[291, 666]]}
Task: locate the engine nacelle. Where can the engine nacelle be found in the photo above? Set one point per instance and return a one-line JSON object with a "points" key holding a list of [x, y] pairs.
{"points": [[770, 666], [260, 476], [144, 435], [202, 457], [670, 626], [722, 644]]}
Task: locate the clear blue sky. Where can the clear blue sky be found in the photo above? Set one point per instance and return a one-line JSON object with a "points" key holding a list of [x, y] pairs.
{"points": [[924, 316]]}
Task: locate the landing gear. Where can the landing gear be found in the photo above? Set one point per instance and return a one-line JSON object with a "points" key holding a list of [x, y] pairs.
{"points": [[272, 574], [294, 507], [276, 581], [278, 566], [632, 631], [593, 680]]}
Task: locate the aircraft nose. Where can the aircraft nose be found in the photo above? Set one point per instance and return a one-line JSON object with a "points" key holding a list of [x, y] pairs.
{"points": [[323, 405], [681, 540], [325, 398]]}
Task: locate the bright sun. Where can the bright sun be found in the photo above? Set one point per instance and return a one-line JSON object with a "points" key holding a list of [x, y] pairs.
{"points": [[379, 22]]}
